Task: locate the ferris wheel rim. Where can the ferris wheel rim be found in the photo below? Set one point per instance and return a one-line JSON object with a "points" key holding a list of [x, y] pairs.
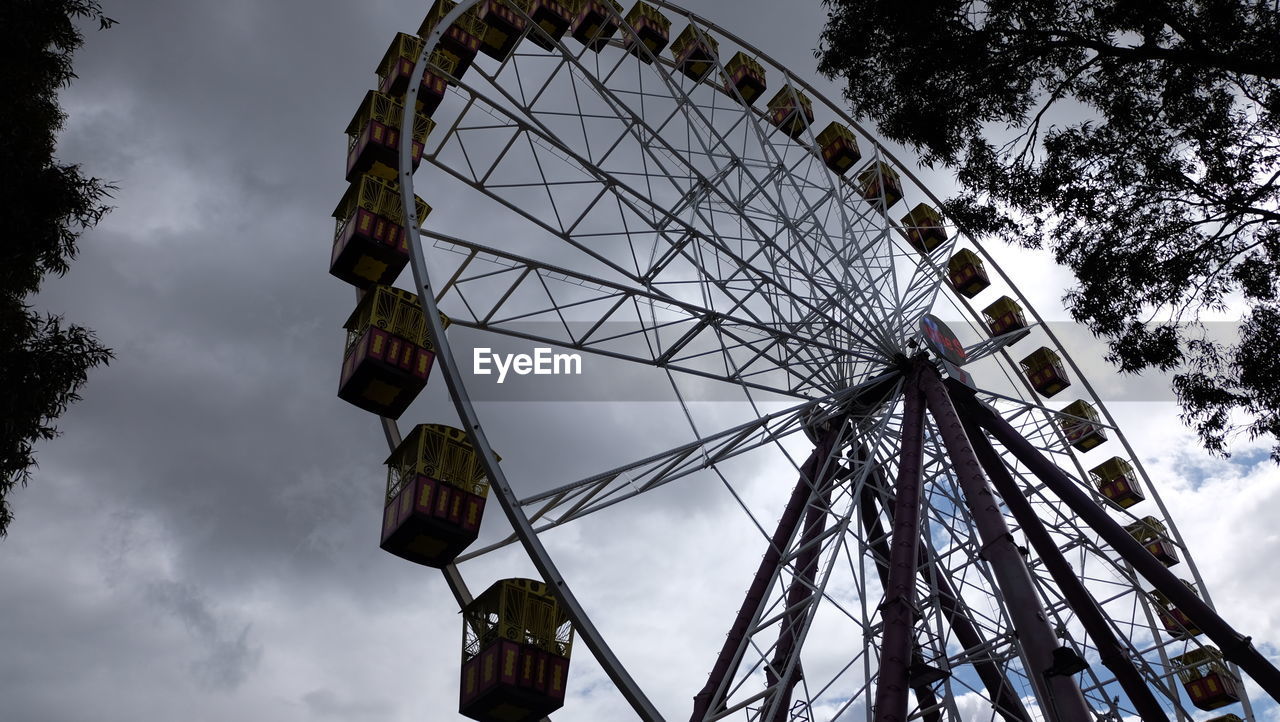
{"points": [[422, 278]]}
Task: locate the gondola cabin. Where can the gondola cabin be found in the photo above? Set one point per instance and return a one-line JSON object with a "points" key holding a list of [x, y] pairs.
{"points": [[745, 78], [651, 26], [839, 147], [596, 21], [397, 66], [695, 52], [373, 137], [924, 228], [880, 185], [791, 111], [503, 28], [1004, 316], [369, 244], [1081, 425], [1206, 678], [1150, 533], [462, 39], [436, 489], [1175, 621], [388, 353], [516, 643], [1044, 371], [1118, 482], [967, 274], [552, 19], [1225, 718]]}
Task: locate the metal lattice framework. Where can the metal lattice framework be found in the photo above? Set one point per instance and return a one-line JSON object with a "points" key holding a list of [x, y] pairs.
{"points": [[649, 218]]}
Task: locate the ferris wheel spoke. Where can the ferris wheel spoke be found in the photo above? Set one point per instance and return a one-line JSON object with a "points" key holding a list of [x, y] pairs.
{"points": [[804, 219], [993, 344], [656, 148], [778, 175], [571, 310], [634, 203], [573, 501]]}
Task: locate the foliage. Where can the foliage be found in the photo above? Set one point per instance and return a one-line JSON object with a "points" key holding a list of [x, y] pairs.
{"points": [[46, 206], [1137, 140]]}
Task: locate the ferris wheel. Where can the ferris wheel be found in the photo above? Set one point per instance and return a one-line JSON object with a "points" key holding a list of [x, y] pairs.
{"points": [[962, 526]]}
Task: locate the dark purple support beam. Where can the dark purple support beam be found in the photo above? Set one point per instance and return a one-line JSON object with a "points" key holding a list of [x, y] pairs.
{"points": [[816, 471], [1004, 698], [1060, 697], [899, 607], [798, 594], [1235, 646], [879, 547], [1114, 656]]}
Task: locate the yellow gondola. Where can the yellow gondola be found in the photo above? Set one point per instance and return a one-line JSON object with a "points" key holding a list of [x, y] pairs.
{"points": [[369, 244], [880, 185], [651, 26], [516, 644], [373, 137], [1084, 431], [839, 147], [924, 228], [436, 490], [791, 111], [1206, 678], [1004, 316], [595, 21], [503, 28], [1043, 369], [1175, 621], [397, 66], [551, 17], [462, 39], [389, 352], [967, 273], [695, 52], [745, 78], [1117, 481], [1150, 533]]}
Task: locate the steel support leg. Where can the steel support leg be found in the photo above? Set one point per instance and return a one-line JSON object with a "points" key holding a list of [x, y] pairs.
{"points": [[1114, 657], [1060, 697], [798, 593], [1235, 646], [899, 609], [1004, 698], [879, 546], [816, 471]]}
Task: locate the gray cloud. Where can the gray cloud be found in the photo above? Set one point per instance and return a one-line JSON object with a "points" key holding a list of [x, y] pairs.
{"points": [[227, 655]]}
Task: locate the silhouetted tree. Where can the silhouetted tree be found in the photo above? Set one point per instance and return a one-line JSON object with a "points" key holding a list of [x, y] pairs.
{"points": [[46, 205], [1135, 139]]}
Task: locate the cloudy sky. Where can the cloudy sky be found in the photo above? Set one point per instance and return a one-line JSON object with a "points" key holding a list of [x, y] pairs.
{"points": [[201, 542]]}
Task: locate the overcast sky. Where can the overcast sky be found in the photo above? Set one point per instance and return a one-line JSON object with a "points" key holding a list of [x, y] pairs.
{"points": [[201, 541]]}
